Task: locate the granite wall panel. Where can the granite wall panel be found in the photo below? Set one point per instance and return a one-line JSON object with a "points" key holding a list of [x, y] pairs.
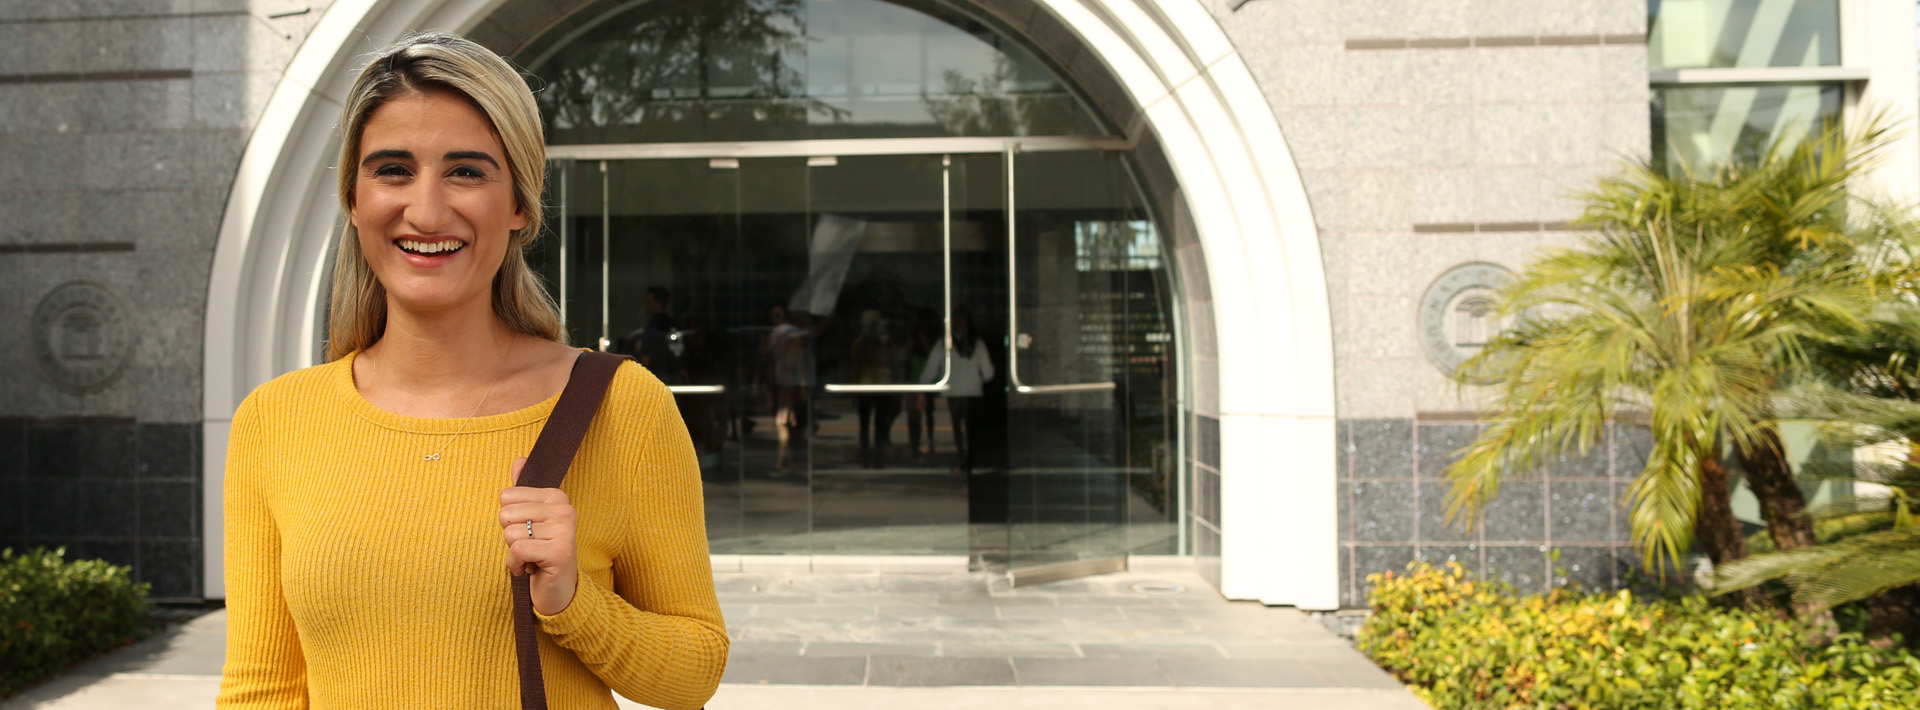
{"points": [[1395, 503], [114, 490], [121, 122]]}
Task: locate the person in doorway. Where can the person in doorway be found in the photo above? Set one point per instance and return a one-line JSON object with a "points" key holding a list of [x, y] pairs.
{"points": [[873, 364], [786, 350], [653, 344], [371, 517], [972, 368]]}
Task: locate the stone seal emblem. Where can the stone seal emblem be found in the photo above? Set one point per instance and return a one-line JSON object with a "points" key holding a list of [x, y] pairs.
{"points": [[1459, 314], [82, 337]]}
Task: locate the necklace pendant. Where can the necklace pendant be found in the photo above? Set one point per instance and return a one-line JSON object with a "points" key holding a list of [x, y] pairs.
{"points": [[432, 457]]}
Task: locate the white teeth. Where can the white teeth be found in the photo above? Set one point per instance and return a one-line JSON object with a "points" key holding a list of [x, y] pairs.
{"points": [[430, 247]]}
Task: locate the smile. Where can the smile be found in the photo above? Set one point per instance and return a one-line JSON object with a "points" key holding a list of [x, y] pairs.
{"points": [[435, 248]]}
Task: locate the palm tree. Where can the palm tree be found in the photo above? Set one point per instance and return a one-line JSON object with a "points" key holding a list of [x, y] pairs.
{"points": [[1690, 305], [1868, 390]]}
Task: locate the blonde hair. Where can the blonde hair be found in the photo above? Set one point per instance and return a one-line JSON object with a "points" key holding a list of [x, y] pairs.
{"points": [[438, 61]]}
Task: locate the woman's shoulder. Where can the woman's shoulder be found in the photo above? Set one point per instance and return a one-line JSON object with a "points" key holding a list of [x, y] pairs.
{"points": [[300, 387], [634, 383]]}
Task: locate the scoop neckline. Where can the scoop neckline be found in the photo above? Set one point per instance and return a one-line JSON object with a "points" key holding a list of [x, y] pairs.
{"points": [[343, 385]]}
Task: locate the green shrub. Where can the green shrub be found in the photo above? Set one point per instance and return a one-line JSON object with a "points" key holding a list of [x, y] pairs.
{"points": [[54, 613], [1462, 643]]}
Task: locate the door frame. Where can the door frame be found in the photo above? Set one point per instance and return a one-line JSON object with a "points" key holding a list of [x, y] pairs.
{"points": [[1006, 146]]}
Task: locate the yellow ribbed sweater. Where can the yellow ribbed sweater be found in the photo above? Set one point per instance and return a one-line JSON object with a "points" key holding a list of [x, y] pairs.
{"points": [[359, 576]]}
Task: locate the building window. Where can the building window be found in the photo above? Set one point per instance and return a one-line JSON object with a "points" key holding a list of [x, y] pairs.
{"points": [[1707, 126], [1731, 77], [1701, 34]]}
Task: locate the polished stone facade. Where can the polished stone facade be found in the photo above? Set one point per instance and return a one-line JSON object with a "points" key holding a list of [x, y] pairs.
{"points": [[121, 125], [1431, 135]]}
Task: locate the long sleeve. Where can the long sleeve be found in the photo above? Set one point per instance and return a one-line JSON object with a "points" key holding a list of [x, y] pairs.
{"points": [[265, 668], [983, 361], [657, 636]]}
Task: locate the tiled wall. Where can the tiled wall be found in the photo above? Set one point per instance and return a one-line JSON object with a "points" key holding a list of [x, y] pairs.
{"points": [[107, 488], [1393, 496]]}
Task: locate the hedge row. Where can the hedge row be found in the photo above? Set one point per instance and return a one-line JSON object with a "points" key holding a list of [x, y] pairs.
{"points": [[54, 613], [1460, 643]]}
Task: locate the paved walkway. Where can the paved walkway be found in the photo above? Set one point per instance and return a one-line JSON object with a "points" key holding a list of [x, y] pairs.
{"points": [[1141, 639]]}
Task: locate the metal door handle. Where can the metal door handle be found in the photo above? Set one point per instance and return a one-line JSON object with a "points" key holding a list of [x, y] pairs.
{"points": [[946, 282], [1022, 340], [940, 386], [1050, 389]]}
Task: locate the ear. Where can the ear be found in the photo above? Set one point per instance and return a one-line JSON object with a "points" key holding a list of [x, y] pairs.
{"points": [[519, 218]]}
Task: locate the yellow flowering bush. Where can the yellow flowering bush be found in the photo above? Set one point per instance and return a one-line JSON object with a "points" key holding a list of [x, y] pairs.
{"points": [[1462, 643]]}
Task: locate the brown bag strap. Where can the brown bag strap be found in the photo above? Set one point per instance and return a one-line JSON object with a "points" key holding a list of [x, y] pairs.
{"points": [[546, 466]]}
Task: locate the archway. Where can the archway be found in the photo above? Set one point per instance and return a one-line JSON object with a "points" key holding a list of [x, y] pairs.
{"points": [[1256, 298]]}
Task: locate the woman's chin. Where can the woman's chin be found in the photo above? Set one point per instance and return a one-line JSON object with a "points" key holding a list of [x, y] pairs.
{"points": [[431, 300]]}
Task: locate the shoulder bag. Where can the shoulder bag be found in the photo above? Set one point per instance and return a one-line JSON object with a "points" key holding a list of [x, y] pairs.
{"points": [[546, 465]]}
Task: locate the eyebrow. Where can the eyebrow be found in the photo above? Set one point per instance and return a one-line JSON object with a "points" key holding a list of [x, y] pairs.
{"points": [[472, 155], [395, 153]]}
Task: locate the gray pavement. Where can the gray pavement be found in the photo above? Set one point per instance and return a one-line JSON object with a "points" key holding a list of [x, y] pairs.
{"points": [[1142, 639]]}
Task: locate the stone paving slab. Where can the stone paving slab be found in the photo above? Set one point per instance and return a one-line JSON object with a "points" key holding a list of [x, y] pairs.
{"points": [[159, 692], [1159, 639]]}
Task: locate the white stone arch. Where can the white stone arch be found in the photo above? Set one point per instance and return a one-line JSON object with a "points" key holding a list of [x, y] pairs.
{"points": [[1221, 139]]}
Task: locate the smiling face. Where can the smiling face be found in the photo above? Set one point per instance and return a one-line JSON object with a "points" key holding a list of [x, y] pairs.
{"points": [[433, 201]]}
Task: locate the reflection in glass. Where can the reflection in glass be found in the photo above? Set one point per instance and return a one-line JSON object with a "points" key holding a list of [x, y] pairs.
{"points": [[759, 285], [1709, 126], [1089, 474], [1695, 34], [735, 70]]}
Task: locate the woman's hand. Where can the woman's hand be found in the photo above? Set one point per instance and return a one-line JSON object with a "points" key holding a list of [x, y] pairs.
{"points": [[547, 553]]}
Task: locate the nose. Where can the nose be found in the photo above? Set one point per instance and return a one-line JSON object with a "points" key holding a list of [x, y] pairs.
{"points": [[428, 210]]}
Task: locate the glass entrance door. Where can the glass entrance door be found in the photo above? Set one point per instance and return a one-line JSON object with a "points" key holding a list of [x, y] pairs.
{"points": [[897, 354], [1070, 228], [789, 303]]}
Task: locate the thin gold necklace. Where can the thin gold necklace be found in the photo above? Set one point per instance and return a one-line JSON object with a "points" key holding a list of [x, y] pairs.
{"points": [[435, 456]]}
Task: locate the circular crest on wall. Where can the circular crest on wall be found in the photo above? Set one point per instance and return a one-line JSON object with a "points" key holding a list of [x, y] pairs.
{"points": [[82, 336], [1459, 314]]}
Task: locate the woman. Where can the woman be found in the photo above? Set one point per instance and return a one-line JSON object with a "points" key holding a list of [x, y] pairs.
{"points": [[371, 520], [972, 369]]}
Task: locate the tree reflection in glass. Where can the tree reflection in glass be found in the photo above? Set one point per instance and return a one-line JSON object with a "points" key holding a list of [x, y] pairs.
{"points": [[740, 70]]}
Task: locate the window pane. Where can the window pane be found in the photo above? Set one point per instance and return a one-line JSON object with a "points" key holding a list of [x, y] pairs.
{"points": [[1696, 34], [751, 70], [1705, 127]]}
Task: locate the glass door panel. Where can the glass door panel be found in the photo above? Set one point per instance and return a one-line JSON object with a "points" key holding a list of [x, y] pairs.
{"points": [[572, 260], [672, 226], [1072, 227], [876, 290], [773, 362]]}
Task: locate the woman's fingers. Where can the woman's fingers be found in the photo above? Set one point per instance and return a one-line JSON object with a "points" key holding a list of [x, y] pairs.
{"points": [[531, 555], [523, 494], [540, 529], [516, 513]]}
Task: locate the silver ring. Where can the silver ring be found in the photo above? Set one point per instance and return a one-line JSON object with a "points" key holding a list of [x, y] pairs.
{"points": [[529, 528]]}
